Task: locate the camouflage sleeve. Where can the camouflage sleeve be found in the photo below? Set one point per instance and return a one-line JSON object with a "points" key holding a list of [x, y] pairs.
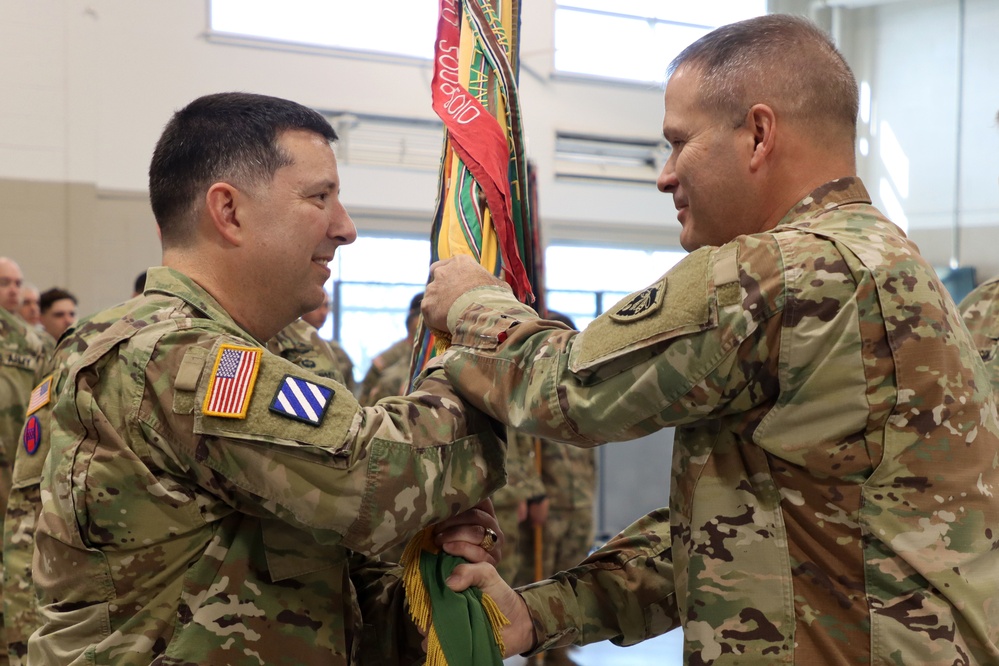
{"points": [[623, 592], [691, 345], [345, 365], [523, 480], [363, 478], [388, 635]]}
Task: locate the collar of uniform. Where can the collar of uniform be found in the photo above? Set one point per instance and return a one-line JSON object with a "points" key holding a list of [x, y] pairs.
{"points": [[165, 280], [833, 194]]}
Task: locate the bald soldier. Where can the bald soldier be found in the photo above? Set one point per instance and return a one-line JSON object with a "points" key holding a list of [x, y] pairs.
{"points": [[834, 490], [205, 500]]}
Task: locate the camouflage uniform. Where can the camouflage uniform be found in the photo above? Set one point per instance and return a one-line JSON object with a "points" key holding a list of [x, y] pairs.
{"points": [[21, 354], [569, 474], [981, 314], [301, 344], [392, 381], [523, 483], [173, 535], [398, 351], [20, 614], [836, 467], [298, 342], [343, 362]]}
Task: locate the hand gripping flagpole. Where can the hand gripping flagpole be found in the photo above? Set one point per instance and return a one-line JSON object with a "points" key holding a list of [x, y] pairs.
{"points": [[483, 210]]}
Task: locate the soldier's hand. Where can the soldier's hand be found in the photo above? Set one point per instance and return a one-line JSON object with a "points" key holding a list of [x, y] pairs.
{"points": [[474, 534], [449, 279], [518, 636]]}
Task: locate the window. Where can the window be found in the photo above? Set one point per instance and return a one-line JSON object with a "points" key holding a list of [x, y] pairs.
{"points": [[637, 38], [401, 27], [373, 281]]}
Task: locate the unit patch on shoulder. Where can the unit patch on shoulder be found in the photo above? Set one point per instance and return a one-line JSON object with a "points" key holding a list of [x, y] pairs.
{"points": [[643, 303], [32, 435], [40, 396], [232, 380], [302, 400]]}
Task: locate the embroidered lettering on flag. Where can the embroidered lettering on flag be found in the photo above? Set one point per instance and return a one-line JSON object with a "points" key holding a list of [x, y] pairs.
{"points": [[302, 400], [232, 381], [40, 396]]}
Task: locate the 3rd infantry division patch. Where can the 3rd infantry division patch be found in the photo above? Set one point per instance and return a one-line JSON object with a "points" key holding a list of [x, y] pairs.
{"points": [[302, 400]]}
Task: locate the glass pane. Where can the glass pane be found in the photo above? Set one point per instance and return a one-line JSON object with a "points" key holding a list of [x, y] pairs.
{"points": [[380, 259], [364, 335], [610, 298], [600, 269], [670, 39], [409, 30], [373, 317], [574, 304], [637, 48], [628, 51], [706, 12]]}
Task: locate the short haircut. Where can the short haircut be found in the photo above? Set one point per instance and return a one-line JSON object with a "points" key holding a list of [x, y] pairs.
{"points": [[226, 137], [785, 62], [47, 298]]}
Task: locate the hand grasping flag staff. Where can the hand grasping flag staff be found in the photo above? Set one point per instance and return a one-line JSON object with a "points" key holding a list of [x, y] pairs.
{"points": [[482, 210]]}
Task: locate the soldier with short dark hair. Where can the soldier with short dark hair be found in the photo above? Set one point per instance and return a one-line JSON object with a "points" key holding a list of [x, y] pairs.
{"points": [[209, 502], [834, 492], [58, 311]]}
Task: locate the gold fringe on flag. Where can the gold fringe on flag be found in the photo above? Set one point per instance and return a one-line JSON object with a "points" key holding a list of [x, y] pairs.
{"points": [[420, 609]]}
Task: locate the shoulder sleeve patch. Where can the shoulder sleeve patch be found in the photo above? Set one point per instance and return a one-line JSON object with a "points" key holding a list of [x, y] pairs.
{"points": [[307, 412], [656, 314], [642, 304], [41, 395], [231, 384], [301, 400]]}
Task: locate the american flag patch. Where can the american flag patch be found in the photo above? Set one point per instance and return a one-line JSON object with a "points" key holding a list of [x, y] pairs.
{"points": [[232, 381], [302, 400], [40, 396]]}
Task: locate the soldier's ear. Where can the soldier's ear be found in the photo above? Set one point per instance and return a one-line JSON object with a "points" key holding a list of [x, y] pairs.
{"points": [[762, 123], [221, 205]]}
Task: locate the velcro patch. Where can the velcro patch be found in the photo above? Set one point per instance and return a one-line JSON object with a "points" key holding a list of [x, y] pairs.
{"points": [[32, 438], [41, 395], [302, 400], [232, 381], [643, 303]]}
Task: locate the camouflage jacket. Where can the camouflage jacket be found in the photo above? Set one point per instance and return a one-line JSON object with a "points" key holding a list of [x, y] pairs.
{"points": [[392, 381], [569, 474], [21, 355], [298, 342], [343, 362], [172, 532], [981, 314], [835, 474], [379, 364], [24, 504], [523, 478]]}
